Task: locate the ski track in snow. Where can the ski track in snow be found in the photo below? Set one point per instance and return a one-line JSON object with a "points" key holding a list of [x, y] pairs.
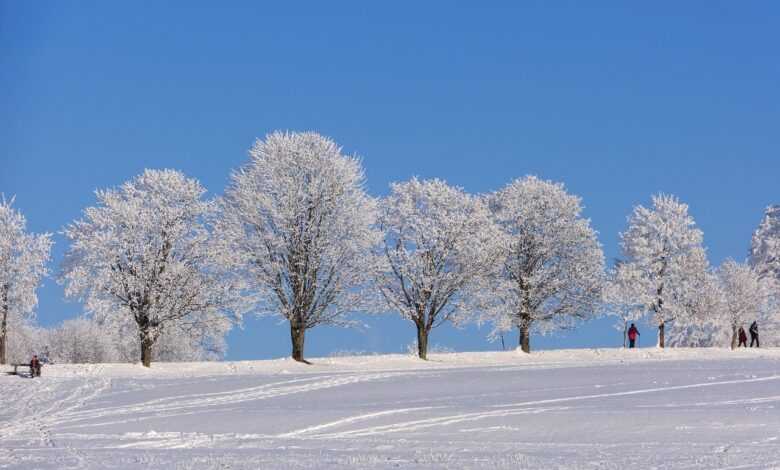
{"points": [[664, 414]]}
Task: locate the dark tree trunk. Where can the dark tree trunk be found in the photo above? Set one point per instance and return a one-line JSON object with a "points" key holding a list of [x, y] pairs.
{"points": [[658, 308], [297, 336], [2, 343], [422, 342], [525, 337], [146, 350], [524, 328], [3, 330], [146, 332], [3, 326]]}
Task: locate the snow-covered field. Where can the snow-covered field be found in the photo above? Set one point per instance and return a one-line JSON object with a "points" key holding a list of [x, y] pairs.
{"points": [[561, 409]]}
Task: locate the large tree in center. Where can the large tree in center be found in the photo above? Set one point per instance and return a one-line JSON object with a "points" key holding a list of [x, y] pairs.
{"points": [[664, 246], [144, 254], [440, 246], [300, 227], [23, 258], [553, 265]]}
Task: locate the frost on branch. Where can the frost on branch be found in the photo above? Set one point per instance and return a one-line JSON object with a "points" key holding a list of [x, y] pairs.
{"points": [[440, 246], [23, 258], [552, 269], [299, 226], [765, 246], [144, 256], [664, 246]]}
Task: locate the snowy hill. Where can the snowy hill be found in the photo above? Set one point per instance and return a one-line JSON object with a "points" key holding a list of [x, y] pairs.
{"points": [[605, 408]]}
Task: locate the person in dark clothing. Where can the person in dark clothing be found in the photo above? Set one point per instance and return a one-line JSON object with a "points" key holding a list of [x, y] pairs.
{"points": [[754, 334], [35, 366], [633, 332], [742, 337]]}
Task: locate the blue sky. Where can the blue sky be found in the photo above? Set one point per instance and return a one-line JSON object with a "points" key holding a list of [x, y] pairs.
{"points": [[618, 100]]}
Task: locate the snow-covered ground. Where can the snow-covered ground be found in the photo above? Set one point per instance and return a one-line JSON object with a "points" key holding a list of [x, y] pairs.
{"points": [[607, 408]]}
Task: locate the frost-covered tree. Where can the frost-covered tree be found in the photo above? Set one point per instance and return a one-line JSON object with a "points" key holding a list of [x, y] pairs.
{"points": [[145, 252], [765, 246], [663, 244], [698, 325], [621, 297], [553, 265], [24, 339], [299, 226], [81, 340], [743, 297], [440, 245], [23, 258]]}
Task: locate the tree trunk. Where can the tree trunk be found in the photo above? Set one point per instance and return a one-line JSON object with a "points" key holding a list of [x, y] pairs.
{"points": [[422, 342], [297, 336], [734, 337], [2, 345], [525, 337], [146, 350], [3, 330], [4, 325], [661, 327]]}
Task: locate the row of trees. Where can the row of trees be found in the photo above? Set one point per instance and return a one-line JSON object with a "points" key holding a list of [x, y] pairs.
{"points": [[665, 273], [296, 235]]}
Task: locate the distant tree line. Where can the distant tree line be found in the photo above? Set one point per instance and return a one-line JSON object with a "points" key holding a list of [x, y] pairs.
{"points": [[164, 272]]}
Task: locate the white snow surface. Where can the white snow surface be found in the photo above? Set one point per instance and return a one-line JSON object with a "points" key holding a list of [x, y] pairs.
{"points": [[565, 409]]}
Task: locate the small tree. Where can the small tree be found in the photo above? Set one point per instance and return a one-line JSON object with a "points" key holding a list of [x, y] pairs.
{"points": [[81, 340], [145, 251], [665, 247], [553, 266], [440, 246], [23, 258], [299, 226]]}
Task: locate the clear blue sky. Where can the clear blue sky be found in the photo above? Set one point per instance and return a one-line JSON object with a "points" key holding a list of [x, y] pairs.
{"points": [[619, 100]]}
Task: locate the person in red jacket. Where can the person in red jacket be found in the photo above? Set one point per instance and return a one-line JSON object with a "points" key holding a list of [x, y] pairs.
{"points": [[632, 334], [742, 337]]}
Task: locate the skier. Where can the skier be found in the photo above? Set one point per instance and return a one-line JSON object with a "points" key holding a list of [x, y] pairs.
{"points": [[754, 334], [742, 337], [35, 366], [632, 334]]}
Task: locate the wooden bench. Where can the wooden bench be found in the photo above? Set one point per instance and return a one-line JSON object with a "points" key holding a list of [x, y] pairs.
{"points": [[16, 367]]}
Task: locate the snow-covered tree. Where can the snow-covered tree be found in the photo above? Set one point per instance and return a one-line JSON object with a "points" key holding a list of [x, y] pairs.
{"points": [[145, 252], [621, 297], [743, 295], [440, 245], [699, 323], [24, 339], [765, 246], [553, 265], [663, 244], [299, 226], [81, 340], [23, 258]]}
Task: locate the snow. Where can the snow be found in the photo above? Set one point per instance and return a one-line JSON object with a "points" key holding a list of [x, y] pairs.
{"points": [[567, 409]]}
